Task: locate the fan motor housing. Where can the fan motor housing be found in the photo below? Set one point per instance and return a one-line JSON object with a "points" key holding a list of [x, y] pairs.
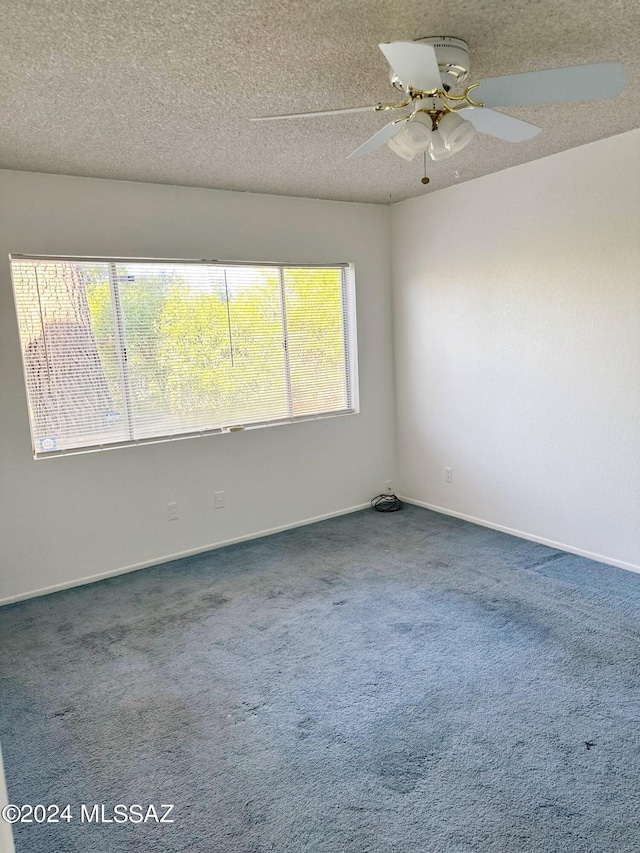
{"points": [[453, 60]]}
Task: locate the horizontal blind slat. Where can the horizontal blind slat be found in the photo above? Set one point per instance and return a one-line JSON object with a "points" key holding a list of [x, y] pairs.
{"points": [[171, 348]]}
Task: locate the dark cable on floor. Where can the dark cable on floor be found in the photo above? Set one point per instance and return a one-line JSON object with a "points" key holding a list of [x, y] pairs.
{"points": [[388, 502]]}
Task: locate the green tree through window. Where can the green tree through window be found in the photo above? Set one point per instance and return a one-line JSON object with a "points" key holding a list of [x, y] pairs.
{"points": [[131, 351]]}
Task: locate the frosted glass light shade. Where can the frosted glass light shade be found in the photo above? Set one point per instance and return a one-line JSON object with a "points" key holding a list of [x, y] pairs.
{"points": [[438, 150], [414, 138], [456, 132]]}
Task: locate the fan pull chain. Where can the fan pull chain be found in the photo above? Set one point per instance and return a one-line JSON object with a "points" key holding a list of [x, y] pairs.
{"points": [[425, 180]]}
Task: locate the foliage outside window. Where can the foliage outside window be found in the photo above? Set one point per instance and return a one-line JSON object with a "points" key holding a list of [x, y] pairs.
{"points": [[118, 352]]}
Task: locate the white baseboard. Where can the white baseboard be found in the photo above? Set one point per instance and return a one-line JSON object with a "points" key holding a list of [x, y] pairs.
{"points": [[559, 546], [155, 561]]}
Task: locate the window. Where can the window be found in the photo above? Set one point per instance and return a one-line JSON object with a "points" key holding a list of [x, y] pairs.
{"points": [[118, 352]]}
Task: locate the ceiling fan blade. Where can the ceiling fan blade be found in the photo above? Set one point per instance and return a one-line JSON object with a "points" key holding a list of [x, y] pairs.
{"points": [[499, 125], [415, 64], [556, 86], [320, 113], [379, 139]]}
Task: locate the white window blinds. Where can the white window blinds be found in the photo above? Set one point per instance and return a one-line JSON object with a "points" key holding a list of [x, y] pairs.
{"points": [[124, 351]]}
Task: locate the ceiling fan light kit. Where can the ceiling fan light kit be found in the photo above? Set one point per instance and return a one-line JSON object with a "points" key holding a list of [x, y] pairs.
{"points": [[442, 123], [440, 134]]}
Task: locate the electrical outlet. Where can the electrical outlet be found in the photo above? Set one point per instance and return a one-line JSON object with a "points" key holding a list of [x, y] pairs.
{"points": [[172, 511], [218, 500], [448, 475]]}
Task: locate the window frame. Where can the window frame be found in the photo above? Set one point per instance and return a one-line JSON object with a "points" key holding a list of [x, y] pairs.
{"points": [[349, 335]]}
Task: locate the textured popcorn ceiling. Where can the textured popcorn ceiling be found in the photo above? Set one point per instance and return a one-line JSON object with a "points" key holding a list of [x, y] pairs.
{"points": [[161, 90]]}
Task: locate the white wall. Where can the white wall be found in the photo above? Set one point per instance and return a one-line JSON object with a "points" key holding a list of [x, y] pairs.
{"points": [[517, 329], [74, 517]]}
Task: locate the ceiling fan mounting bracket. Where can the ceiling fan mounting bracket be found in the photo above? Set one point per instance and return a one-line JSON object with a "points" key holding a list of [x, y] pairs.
{"points": [[452, 55]]}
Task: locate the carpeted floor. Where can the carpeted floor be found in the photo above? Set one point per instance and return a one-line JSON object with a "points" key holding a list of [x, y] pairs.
{"points": [[403, 683]]}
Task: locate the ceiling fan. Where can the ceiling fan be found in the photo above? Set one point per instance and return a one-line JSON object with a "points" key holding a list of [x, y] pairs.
{"points": [[440, 122]]}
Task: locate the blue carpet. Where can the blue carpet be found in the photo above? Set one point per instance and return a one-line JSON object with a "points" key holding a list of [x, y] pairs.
{"points": [[403, 683]]}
